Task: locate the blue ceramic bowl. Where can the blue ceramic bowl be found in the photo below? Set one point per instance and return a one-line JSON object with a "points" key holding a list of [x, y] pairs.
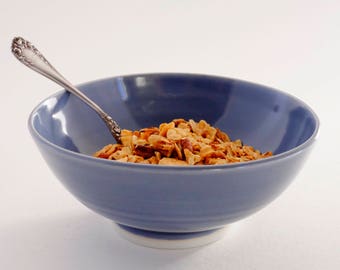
{"points": [[185, 199]]}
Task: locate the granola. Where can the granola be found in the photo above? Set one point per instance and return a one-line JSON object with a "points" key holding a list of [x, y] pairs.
{"points": [[179, 142]]}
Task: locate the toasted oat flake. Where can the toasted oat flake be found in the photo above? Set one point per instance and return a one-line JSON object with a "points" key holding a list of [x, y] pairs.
{"points": [[178, 143]]}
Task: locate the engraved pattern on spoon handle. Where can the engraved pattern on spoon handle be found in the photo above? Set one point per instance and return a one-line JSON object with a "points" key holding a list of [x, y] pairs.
{"points": [[30, 56]]}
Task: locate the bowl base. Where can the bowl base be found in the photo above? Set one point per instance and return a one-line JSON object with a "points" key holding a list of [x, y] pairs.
{"points": [[163, 240]]}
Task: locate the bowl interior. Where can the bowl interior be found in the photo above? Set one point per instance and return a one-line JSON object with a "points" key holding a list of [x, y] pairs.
{"points": [[267, 119]]}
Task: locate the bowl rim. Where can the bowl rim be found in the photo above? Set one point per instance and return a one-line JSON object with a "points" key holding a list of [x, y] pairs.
{"points": [[294, 151]]}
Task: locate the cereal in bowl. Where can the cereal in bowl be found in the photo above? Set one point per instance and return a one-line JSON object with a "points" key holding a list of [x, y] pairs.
{"points": [[180, 142]]}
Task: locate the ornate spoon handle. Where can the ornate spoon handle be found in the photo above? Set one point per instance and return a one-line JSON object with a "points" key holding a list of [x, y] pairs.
{"points": [[27, 54]]}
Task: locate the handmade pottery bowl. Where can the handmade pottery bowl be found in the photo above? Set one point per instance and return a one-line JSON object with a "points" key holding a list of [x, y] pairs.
{"points": [[174, 206]]}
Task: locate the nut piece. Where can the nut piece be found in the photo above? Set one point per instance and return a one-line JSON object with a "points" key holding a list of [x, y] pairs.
{"points": [[145, 151], [186, 144]]}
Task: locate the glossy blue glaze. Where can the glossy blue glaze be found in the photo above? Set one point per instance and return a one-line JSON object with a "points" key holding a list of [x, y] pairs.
{"points": [[174, 199]]}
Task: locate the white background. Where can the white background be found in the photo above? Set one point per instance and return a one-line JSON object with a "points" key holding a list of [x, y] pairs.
{"points": [[290, 45]]}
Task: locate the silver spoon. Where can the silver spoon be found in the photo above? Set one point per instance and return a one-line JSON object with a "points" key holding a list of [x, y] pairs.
{"points": [[27, 54]]}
